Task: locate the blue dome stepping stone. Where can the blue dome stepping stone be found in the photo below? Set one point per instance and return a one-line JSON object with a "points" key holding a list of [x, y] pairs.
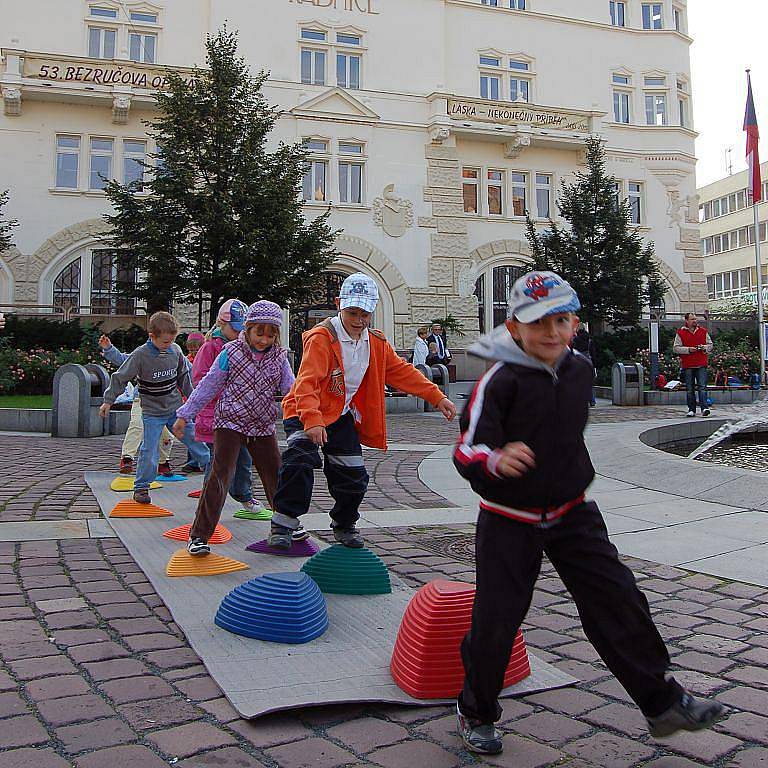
{"points": [[343, 570], [278, 607], [304, 548], [171, 478]]}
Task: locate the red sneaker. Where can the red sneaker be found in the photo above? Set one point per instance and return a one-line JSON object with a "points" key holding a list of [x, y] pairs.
{"points": [[164, 469], [126, 465]]}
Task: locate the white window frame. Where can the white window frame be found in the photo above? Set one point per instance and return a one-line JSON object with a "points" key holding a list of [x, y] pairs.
{"points": [[651, 115], [499, 184], [617, 11], [349, 159], [348, 55], [93, 153], [678, 19], [318, 158], [516, 184], [142, 36], [110, 12], [76, 151], [648, 15], [519, 81], [543, 187], [638, 196], [622, 98], [129, 155], [496, 77], [102, 29], [473, 182], [313, 54]]}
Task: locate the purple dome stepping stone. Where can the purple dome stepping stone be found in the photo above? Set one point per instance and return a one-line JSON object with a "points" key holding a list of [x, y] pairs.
{"points": [[304, 548]]}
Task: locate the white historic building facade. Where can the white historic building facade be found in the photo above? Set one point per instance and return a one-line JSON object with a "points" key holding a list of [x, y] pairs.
{"points": [[434, 125]]}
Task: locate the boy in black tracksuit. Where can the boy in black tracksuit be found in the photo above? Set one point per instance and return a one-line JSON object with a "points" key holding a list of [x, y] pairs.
{"points": [[522, 449]]}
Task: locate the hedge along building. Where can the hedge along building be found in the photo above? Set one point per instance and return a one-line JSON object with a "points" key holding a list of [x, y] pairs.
{"points": [[433, 126]]}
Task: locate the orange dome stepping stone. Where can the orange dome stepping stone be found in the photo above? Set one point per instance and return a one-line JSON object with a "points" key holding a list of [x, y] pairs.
{"points": [[131, 508], [426, 662], [184, 564], [220, 536]]}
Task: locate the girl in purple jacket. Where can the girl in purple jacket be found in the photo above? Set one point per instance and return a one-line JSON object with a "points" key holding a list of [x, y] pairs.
{"points": [[246, 376]]}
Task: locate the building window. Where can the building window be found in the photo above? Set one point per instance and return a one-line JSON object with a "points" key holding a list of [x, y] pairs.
{"points": [[656, 108], [315, 182], [66, 287], [621, 112], [470, 180], [344, 39], [523, 66], [314, 34], [490, 87], [490, 61], [67, 161], [519, 190], [134, 154], [312, 66], [677, 18], [519, 89], [348, 70], [143, 17], [543, 195], [682, 109], [351, 178], [652, 18], [101, 43], [617, 194], [496, 305], [635, 202], [109, 278], [143, 47], [517, 5], [101, 163], [496, 182], [494, 3], [98, 12], [618, 13]]}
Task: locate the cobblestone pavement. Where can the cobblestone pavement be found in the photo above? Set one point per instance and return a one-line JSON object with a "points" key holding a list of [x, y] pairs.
{"points": [[94, 673]]}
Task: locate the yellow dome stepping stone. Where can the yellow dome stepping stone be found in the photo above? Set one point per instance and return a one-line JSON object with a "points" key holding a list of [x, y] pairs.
{"points": [[131, 508], [184, 564], [126, 484]]}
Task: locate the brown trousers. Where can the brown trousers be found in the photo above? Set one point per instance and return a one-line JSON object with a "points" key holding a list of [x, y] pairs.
{"points": [[226, 446]]}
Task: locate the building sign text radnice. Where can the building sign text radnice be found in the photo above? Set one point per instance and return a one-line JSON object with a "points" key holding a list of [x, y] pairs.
{"points": [[516, 114], [354, 6]]}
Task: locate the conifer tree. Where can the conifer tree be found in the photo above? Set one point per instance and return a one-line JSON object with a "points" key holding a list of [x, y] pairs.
{"points": [[217, 214], [6, 225], [600, 252]]}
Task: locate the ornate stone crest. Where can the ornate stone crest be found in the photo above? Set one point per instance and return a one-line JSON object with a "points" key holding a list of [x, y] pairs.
{"points": [[394, 214]]}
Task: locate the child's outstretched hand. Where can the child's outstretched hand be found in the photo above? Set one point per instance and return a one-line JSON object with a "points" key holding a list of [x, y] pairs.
{"points": [[104, 410], [178, 428], [515, 460], [104, 341], [447, 408]]}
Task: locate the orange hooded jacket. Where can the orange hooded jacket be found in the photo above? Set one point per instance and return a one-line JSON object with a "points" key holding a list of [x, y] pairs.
{"points": [[318, 394]]}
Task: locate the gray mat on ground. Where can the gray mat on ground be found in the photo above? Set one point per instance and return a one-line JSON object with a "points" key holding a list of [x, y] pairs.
{"points": [[349, 663]]}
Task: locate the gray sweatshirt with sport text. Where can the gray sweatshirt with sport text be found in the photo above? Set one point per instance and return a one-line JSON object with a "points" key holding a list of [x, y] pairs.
{"points": [[162, 378]]}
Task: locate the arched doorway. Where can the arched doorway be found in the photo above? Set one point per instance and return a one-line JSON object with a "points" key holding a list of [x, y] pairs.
{"points": [[492, 290], [321, 305]]}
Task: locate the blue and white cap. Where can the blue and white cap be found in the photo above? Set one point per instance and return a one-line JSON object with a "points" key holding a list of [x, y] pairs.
{"points": [[360, 291], [539, 294]]}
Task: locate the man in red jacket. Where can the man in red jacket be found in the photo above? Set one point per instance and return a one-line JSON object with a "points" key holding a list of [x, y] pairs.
{"points": [[694, 345]]}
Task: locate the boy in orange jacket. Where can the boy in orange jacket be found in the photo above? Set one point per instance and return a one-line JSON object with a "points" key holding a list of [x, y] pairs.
{"points": [[337, 404]]}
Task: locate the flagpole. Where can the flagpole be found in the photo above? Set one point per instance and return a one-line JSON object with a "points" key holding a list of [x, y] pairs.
{"points": [[760, 308]]}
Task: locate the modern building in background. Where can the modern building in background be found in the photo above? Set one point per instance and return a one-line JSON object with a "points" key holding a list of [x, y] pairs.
{"points": [[433, 126], [727, 238]]}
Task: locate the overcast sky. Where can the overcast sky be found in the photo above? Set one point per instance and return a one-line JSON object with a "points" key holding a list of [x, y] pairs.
{"points": [[728, 37]]}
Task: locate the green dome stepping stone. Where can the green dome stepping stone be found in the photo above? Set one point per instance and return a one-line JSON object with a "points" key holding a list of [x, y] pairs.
{"points": [[343, 570], [262, 514]]}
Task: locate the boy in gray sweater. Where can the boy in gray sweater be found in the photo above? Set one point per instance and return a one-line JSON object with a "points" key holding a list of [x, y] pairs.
{"points": [[162, 374]]}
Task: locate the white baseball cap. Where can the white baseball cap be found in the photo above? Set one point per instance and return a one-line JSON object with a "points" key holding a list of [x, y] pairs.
{"points": [[538, 294], [360, 291]]}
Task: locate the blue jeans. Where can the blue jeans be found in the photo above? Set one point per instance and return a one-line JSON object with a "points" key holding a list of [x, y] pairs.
{"points": [[149, 452], [241, 488], [696, 379]]}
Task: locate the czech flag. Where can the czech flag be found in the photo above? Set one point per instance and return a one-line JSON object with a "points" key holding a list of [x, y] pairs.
{"points": [[753, 138]]}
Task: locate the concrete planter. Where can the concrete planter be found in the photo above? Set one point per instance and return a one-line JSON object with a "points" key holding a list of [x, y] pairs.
{"points": [[26, 419]]}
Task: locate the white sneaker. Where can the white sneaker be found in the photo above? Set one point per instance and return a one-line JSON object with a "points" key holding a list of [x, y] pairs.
{"points": [[254, 505], [690, 414]]}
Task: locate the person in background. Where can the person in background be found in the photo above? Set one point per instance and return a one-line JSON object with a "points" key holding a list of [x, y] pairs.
{"points": [[420, 347], [437, 337], [195, 340], [163, 376], [585, 345], [694, 345], [135, 432]]}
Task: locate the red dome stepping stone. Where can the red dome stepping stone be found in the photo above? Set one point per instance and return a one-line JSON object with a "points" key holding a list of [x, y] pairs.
{"points": [[426, 662], [196, 494], [303, 548], [221, 535]]}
